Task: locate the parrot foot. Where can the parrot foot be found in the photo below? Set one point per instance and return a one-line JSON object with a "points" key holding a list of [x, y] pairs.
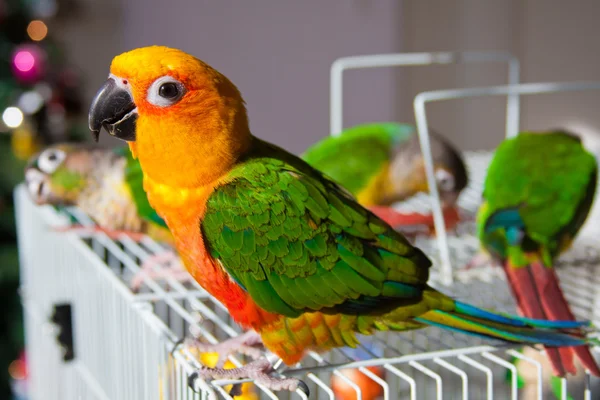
{"points": [[92, 230], [248, 343], [160, 266], [257, 370]]}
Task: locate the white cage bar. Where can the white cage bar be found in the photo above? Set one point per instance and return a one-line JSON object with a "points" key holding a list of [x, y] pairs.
{"points": [[423, 130], [340, 65]]}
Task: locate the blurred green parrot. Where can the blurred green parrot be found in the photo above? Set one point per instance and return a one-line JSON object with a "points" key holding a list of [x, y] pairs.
{"points": [[382, 163], [107, 185], [538, 192]]}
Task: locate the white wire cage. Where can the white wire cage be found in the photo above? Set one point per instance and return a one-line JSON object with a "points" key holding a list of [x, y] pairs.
{"points": [[127, 346]]}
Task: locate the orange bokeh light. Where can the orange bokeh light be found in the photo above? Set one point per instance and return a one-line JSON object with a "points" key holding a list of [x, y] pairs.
{"points": [[37, 30]]}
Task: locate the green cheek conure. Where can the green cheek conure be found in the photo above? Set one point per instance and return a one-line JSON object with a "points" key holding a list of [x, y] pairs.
{"points": [[382, 163], [538, 192], [105, 184]]}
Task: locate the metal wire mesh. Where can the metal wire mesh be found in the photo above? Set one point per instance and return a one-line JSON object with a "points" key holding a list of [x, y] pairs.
{"points": [[126, 344]]}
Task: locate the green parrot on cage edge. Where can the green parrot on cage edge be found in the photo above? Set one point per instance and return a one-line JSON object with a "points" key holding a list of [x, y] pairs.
{"points": [[292, 256], [107, 185], [538, 192], [381, 163]]}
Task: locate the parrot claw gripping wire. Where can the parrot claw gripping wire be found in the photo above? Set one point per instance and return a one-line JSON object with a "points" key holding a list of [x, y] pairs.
{"points": [[248, 343], [257, 370]]}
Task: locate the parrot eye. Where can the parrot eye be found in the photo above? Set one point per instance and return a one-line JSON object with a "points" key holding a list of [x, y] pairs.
{"points": [[50, 159], [165, 91], [444, 179], [168, 90]]}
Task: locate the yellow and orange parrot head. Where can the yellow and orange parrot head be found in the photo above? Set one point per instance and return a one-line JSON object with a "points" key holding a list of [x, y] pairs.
{"points": [[184, 120]]}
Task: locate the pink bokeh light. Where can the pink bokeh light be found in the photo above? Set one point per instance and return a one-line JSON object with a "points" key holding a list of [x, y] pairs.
{"points": [[27, 62], [24, 60]]}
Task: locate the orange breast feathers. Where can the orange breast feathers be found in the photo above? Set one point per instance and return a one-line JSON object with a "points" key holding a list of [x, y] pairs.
{"points": [[182, 210]]}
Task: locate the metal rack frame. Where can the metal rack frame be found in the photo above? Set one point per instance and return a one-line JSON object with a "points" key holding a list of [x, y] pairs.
{"points": [[423, 130], [421, 59]]}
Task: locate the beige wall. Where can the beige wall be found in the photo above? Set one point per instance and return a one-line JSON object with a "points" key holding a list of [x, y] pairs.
{"points": [[555, 41], [279, 54]]}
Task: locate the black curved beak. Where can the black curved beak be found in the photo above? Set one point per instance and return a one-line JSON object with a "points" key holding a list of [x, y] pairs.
{"points": [[114, 110]]}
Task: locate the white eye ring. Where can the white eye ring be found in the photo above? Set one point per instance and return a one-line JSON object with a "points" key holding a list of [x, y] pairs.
{"points": [[154, 92], [50, 159], [444, 179]]}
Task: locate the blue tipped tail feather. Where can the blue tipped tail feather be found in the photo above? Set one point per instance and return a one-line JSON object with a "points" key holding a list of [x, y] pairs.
{"points": [[475, 321], [467, 309]]}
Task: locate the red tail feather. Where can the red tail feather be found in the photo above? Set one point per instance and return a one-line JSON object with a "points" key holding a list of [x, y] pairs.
{"points": [[539, 296], [524, 290], [557, 308]]}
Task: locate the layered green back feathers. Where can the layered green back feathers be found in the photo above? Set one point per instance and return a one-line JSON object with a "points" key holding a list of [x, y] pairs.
{"points": [[542, 184], [297, 242], [356, 156]]}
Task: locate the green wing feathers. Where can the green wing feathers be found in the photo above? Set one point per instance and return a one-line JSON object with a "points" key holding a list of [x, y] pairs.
{"points": [[297, 242]]}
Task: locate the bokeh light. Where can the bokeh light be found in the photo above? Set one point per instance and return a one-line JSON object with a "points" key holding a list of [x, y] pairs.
{"points": [[30, 102], [37, 30], [44, 90], [12, 117], [17, 369], [28, 63], [24, 61]]}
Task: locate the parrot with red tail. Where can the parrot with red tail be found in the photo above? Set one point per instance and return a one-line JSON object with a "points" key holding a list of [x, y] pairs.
{"points": [[538, 192], [290, 253], [382, 163]]}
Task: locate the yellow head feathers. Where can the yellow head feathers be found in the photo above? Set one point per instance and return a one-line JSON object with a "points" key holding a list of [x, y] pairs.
{"points": [[184, 120]]}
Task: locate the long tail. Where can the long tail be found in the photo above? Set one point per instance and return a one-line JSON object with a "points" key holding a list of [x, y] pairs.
{"points": [[475, 321], [538, 295]]}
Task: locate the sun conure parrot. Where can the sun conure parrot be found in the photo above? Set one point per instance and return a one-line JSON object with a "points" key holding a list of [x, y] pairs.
{"points": [[106, 184], [538, 191], [290, 253], [382, 163]]}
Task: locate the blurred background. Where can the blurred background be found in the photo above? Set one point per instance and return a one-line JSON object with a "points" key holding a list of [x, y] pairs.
{"points": [[55, 53]]}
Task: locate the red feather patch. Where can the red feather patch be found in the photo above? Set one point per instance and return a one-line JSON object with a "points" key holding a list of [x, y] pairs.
{"points": [[538, 295]]}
